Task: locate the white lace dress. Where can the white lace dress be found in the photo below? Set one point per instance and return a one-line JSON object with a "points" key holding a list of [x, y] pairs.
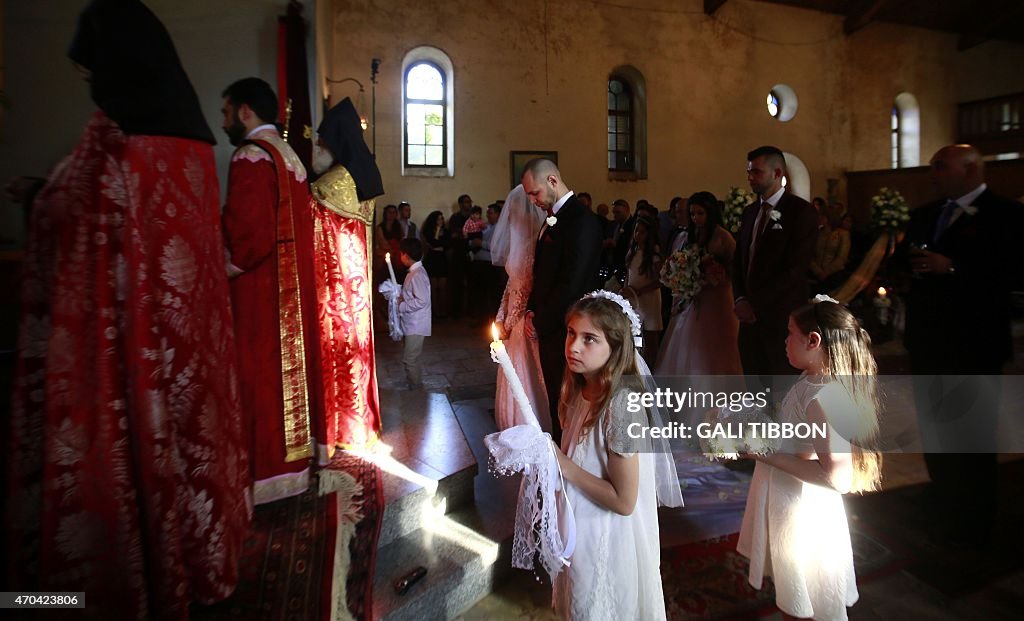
{"points": [[615, 572], [797, 532], [512, 245]]}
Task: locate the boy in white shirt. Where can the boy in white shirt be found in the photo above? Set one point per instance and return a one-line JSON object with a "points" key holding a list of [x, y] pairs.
{"points": [[414, 310]]}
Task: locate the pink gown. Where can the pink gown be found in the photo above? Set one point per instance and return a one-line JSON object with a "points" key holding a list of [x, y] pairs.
{"points": [[702, 340]]}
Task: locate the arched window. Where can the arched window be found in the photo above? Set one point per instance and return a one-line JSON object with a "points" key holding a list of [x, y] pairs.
{"points": [[894, 124], [797, 179], [905, 131], [427, 113], [620, 126], [627, 124]]}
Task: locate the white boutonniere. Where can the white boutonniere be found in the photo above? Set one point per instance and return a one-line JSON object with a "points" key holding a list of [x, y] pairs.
{"points": [[775, 215], [551, 221]]}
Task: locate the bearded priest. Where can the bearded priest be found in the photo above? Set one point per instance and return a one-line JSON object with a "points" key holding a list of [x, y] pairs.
{"points": [[268, 228]]}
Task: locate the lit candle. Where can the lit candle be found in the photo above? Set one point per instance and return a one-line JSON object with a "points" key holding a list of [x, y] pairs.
{"points": [[391, 270], [500, 355], [882, 306]]}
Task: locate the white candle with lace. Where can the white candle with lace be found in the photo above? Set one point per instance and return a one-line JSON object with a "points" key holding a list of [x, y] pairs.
{"points": [[500, 355], [391, 270]]}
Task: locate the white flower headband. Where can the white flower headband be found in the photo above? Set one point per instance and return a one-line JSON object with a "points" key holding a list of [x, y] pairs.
{"points": [[821, 297], [636, 328]]}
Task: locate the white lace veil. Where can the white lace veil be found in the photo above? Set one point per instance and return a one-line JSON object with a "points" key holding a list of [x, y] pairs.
{"points": [[666, 479], [515, 234]]}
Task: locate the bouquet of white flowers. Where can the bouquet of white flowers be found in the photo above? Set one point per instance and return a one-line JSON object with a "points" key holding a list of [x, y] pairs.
{"points": [[727, 433], [735, 202], [683, 273], [889, 211]]}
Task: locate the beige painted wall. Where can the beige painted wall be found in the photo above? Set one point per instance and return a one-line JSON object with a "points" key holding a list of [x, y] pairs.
{"points": [[532, 75]]}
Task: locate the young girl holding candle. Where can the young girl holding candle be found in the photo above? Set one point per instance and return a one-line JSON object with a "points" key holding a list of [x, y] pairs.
{"points": [[794, 527], [614, 481]]}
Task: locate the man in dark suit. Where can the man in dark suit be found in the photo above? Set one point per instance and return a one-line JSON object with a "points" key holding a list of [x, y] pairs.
{"points": [[620, 235], [773, 255], [564, 264], [963, 250]]}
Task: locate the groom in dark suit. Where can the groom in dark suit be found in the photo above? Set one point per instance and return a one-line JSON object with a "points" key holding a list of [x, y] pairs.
{"points": [[773, 255], [964, 252], [564, 265]]}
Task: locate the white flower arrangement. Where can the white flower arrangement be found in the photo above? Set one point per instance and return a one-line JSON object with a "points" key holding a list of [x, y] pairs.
{"points": [[737, 432], [735, 202], [889, 210]]}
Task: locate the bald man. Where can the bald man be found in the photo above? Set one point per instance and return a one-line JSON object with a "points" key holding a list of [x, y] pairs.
{"points": [[963, 250], [564, 269]]}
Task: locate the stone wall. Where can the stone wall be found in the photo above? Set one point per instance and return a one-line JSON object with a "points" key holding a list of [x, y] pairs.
{"points": [[531, 75]]}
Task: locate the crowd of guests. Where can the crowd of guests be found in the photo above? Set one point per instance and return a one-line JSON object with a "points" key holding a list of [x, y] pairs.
{"points": [[634, 246], [456, 255]]}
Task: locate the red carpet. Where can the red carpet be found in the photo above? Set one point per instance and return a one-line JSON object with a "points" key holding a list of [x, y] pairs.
{"points": [[307, 552]]}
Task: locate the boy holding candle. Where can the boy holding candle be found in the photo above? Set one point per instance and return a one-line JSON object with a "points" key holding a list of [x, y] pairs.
{"points": [[414, 309]]}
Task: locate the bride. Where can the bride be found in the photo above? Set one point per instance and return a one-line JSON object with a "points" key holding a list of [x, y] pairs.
{"points": [[701, 340], [512, 245]]}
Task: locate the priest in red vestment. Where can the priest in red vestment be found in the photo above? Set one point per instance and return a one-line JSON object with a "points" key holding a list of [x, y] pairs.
{"points": [[268, 225], [343, 214], [128, 474]]}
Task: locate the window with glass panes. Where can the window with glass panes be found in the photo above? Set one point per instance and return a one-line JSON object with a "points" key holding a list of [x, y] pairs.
{"points": [[620, 126], [426, 116], [895, 134]]}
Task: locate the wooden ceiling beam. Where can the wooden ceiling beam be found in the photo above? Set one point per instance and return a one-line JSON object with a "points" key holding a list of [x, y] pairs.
{"points": [[858, 18], [710, 6], [984, 21]]}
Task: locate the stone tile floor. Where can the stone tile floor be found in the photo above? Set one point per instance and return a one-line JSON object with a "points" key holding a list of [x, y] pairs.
{"points": [[456, 363]]}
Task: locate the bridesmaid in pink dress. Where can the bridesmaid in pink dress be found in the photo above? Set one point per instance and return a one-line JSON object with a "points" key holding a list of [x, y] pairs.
{"points": [[701, 340]]}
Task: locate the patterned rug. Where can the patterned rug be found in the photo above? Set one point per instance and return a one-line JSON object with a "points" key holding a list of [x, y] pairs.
{"points": [[311, 557], [707, 580]]}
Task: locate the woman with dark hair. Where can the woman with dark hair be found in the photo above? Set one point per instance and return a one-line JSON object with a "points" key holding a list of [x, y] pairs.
{"points": [[702, 338], [434, 234], [642, 287], [387, 236], [128, 467]]}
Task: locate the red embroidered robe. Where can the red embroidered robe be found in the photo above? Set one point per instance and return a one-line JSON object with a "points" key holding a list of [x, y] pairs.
{"points": [[128, 475], [344, 288], [268, 225]]}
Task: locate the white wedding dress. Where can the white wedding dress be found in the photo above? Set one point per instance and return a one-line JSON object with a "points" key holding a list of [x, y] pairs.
{"points": [[512, 245]]}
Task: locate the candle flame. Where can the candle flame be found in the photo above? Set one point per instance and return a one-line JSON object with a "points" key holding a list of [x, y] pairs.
{"points": [[882, 291], [494, 332], [387, 257]]}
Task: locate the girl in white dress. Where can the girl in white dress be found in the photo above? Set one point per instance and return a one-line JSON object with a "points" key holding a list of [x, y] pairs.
{"points": [[794, 527], [613, 481], [642, 288]]}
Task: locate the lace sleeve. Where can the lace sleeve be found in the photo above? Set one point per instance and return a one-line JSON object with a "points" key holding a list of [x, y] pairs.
{"points": [[621, 425]]}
